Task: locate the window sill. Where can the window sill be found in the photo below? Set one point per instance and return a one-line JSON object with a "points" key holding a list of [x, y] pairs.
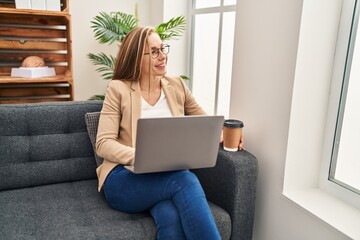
{"points": [[338, 214]]}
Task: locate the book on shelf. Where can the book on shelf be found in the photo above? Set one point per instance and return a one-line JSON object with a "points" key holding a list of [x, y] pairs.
{"points": [[50, 5], [37, 72]]}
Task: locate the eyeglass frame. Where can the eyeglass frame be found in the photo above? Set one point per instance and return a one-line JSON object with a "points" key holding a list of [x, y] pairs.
{"points": [[158, 50]]}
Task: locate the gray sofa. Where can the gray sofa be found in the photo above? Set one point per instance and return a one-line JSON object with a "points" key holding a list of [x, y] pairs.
{"points": [[48, 185]]}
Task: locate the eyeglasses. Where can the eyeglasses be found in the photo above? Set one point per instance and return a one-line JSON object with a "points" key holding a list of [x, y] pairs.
{"points": [[156, 51]]}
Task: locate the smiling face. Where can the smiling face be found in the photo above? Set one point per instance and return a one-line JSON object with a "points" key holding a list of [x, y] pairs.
{"points": [[154, 66]]}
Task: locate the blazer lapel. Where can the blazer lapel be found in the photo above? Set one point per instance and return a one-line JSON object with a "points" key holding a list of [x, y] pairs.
{"points": [[135, 96], [170, 97]]}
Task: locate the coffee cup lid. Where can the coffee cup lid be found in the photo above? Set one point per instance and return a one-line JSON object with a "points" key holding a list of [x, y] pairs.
{"points": [[233, 123]]}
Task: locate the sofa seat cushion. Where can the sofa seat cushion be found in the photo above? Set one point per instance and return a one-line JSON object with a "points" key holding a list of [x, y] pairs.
{"points": [[75, 210]]}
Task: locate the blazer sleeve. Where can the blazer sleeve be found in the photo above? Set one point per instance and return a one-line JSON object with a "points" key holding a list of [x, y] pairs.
{"points": [[190, 104], [109, 145]]}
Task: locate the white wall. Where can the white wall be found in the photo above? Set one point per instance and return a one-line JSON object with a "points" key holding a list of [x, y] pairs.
{"points": [[266, 43]]}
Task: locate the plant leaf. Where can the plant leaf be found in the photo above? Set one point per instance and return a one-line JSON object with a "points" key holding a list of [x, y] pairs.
{"points": [[126, 22], [106, 63], [97, 97], [107, 29], [184, 77], [171, 29]]}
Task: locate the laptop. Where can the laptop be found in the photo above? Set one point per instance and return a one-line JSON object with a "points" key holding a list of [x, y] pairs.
{"points": [[176, 143]]}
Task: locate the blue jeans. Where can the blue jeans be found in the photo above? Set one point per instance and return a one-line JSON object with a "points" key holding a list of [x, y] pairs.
{"points": [[175, 199]]}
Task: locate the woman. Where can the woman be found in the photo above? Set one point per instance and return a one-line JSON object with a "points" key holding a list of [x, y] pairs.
{"points": [[140, 88]]}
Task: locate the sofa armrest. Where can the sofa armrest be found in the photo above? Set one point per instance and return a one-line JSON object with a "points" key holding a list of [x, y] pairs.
{"points": [[231, 184]]}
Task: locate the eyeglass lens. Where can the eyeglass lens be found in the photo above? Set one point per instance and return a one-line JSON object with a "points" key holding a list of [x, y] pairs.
{"points": [[156, 51]]}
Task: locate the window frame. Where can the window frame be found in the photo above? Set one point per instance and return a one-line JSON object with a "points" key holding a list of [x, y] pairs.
{"points": [[308, 119], [193, 12], [344, 49]]}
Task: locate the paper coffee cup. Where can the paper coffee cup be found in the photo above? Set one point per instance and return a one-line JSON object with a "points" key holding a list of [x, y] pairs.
{"points": [[232, 131]]}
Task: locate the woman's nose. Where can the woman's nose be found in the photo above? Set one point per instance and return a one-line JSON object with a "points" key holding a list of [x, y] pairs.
{"points": [[161, 55]]}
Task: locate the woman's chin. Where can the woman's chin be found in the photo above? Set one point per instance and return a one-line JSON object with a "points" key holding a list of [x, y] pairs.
{"points": [[160, 73]]}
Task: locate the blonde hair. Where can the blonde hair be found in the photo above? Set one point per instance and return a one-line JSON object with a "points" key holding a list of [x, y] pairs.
{"points": [[130, 55]]}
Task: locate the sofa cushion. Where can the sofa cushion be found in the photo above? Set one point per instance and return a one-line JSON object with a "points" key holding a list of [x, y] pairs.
{"points": [[92, 122], [75, 210], [44, 143]]}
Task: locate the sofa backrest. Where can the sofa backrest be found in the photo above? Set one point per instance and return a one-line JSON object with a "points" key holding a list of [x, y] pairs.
{"points": [[45, 143]]}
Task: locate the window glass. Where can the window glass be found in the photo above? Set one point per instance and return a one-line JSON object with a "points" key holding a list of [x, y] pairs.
{"points": [[229, 2], [207, 3], [205, 59], [346, 159], [227, 46], [211, 55]]}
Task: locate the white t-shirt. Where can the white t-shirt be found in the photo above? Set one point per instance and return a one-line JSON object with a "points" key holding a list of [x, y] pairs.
{"points": [[160, 109]]}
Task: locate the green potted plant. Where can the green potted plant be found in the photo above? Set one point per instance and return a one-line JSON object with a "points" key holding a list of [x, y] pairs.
{"points": [[110, 28]]}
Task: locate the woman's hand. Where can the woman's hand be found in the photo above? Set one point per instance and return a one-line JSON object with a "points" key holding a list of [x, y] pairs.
{"points": [[241, 143]]}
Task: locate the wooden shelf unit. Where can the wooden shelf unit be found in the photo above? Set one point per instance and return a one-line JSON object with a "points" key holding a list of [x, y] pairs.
{"points": [[47, 34]]}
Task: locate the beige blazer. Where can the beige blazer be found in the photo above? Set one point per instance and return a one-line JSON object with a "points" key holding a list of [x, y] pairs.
{"points": [[116, 137]]}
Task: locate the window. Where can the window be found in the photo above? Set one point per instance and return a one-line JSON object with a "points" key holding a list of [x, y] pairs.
{"points": [[312, 122], [213, 26], [342, 153], [345, 163]]}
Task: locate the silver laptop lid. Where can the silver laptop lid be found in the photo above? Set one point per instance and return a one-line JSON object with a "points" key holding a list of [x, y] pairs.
{"points": [[176, 143]]}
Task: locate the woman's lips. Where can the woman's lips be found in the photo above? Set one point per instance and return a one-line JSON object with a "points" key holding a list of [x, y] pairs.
{"points": [[161, 66]]}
